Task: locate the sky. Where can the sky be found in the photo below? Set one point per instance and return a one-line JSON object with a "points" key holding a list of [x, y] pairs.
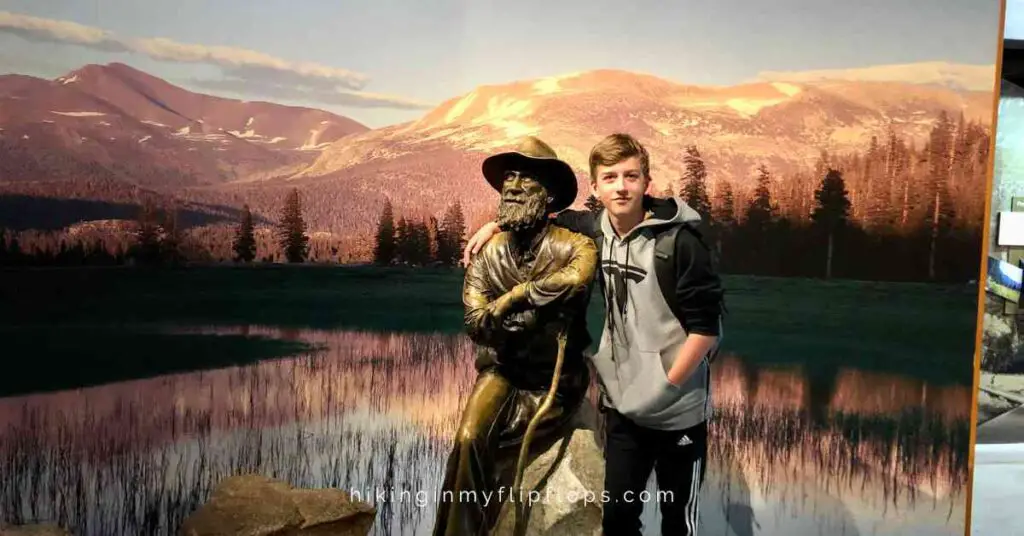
{"points": [[382, 62]]}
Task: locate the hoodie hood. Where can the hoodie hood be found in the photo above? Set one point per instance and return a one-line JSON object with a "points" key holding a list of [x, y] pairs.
{"points": [[672, 210]]}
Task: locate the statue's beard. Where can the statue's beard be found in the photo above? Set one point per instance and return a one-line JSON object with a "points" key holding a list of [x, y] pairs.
{"points": [[523, 216]]}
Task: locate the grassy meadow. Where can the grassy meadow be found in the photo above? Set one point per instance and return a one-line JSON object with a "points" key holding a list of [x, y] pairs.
{"points": [[82, 326]]}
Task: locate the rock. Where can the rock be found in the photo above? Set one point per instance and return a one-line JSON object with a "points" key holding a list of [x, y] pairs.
{"points": [[34, 530], [567, 501], [253, 505]]}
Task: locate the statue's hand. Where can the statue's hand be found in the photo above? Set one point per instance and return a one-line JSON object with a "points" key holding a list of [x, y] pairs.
{"points": [[500, 308], [522, 321]]}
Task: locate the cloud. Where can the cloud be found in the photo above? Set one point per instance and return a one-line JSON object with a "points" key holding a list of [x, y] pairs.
{"points": [[249, 64], [55, 31], [960, 76], [246, 71], [338, 97]]}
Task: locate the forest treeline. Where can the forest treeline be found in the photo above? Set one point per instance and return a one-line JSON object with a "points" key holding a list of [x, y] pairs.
{"points": [[157, 237], [892, 211]]}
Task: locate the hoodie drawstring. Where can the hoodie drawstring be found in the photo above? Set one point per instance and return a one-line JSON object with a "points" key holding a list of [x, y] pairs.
{"points": [[614, 291], [625, 286], [609, 293]]}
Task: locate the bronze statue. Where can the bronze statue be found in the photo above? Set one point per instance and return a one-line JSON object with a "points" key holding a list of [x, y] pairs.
{"points": [[525, 299]]}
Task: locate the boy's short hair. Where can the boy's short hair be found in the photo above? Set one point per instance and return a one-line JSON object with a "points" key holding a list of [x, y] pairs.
{"points": [[616, 148]]}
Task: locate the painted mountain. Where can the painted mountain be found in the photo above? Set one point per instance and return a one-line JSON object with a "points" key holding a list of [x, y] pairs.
{"points": [[113, 131], [114, 122]]}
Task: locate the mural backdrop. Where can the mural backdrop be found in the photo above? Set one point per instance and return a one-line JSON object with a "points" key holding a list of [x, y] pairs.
{"points": [[166, 332]]}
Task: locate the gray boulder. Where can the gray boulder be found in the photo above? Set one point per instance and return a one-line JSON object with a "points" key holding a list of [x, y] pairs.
{"points": [[567, 481], [253, 505]]}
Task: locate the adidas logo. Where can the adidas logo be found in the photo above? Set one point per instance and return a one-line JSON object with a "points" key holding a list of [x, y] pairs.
{"points": [[684, 441]]}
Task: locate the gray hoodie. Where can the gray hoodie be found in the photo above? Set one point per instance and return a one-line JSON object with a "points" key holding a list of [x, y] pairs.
{"points": [[642, 336]]}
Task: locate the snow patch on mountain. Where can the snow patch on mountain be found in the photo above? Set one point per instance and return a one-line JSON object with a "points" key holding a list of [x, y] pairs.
{"points": [[79, 114]]}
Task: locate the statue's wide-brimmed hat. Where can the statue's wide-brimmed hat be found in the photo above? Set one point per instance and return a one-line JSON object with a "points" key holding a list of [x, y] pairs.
{"points": [[539, 159]]}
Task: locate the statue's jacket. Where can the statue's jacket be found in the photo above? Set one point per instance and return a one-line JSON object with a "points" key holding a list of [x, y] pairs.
{"points": [[553, 281]]}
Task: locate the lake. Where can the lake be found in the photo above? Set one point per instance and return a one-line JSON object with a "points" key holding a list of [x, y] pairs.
{"points": [[835, 413]]}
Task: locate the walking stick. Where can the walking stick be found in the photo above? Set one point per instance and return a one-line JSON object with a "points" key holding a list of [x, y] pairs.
{"points": [[531, 427]]}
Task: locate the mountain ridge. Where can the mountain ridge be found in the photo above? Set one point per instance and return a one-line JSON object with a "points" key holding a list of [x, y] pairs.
{"points": [[210, 150], [121, 123]]}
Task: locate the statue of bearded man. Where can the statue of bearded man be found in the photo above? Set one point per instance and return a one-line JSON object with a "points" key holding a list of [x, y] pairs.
{"points": [[525, 298]]}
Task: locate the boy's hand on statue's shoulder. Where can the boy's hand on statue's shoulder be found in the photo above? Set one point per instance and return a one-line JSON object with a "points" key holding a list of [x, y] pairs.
{"points": [[477, 241]]}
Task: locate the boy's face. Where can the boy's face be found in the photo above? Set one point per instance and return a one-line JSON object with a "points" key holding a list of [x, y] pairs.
{"points": [[621, 187]]}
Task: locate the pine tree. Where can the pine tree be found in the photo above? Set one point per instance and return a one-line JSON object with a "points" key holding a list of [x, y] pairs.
{"points": [[384, 250], [940, 211], [592, 203], [761, 211], [403, 242], [292, 231], [75, 255], [62, 253], [872, 184], [245, 239], [89, 256], [823, 164], [453, 231], [14, 255], [695, 188], [799, 196], [832, 211], [172, 239], [457, 231], [434, 234], [96, 254], [896, 167], [978, 170], [723, 214], [420, 243], [147, 236]]}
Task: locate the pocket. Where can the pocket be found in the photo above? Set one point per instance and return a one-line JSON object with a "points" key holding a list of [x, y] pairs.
{"points": [[649, 391], [664, 372]]}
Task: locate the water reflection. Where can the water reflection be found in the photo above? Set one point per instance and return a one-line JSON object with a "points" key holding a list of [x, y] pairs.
{"points": [[376, 411]]}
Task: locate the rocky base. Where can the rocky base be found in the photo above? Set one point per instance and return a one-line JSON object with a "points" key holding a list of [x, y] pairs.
{"points": [[252, 505], [567, 481]]}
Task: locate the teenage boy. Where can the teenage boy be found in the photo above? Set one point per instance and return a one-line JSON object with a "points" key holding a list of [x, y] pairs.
{"points": [[663, 301]]}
